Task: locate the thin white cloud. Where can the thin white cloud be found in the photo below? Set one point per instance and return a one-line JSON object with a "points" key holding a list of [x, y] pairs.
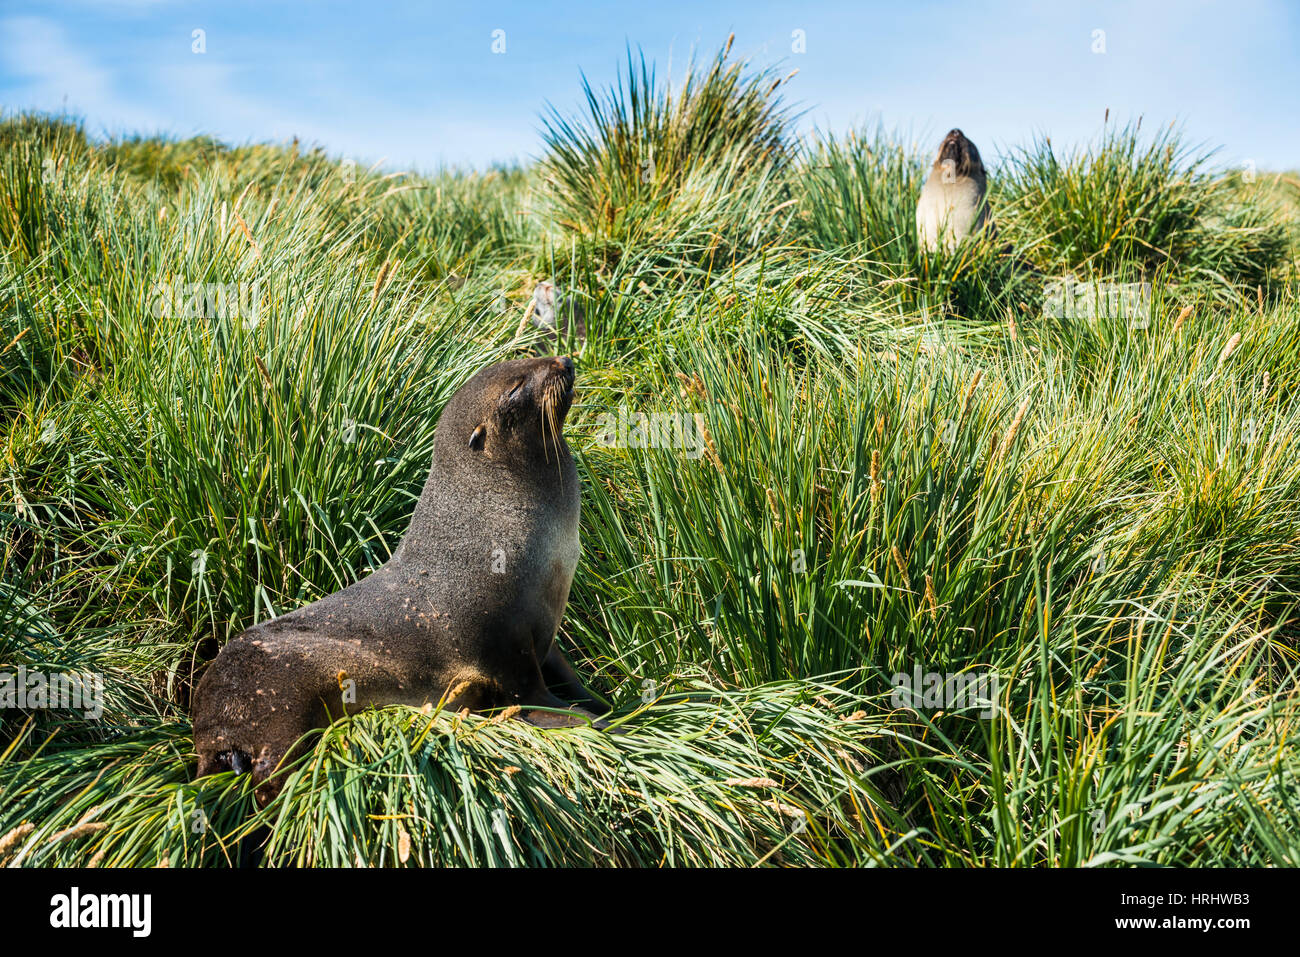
{"points": [[47, 71], [51, 74]]}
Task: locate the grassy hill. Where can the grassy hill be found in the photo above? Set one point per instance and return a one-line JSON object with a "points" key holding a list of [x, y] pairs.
{"points": [[1067, 456]]}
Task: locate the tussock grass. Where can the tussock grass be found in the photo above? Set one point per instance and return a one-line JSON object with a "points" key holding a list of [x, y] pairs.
{"points": [[1135, 201], [783, 775], [695, 168], [909, 462], [860, 192]]}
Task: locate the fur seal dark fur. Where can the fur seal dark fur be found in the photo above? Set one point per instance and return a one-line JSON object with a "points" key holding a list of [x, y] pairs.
{"points": [[465, 611]]}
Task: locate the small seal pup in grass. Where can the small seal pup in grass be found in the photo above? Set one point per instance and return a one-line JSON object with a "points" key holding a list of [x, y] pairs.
{"points": [[952, 203], [558, 313], [465, 612]]}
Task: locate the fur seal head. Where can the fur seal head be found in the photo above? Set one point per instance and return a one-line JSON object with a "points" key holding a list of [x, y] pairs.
{"points": [[961, 153], [507, 413]]}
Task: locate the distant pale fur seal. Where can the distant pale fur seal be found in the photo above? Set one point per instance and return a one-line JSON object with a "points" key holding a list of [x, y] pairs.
{"points": [[952, 203], [467, 608], [558, 313]]}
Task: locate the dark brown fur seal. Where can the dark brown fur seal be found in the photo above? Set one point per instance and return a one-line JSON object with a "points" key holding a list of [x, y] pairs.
{"points": [[467, 608], [952, 203], [558, 313]]}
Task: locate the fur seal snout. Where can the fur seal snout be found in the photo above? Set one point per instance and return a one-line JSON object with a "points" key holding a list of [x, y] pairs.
{"points": [[952, 203], [465, 612]]}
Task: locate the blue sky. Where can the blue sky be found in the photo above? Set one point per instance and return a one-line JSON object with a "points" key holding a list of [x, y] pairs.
{"points": [[417, 84]]}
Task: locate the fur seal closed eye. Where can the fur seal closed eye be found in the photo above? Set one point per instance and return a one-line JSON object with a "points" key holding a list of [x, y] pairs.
{"points": [[466, 609], [952, 203]]}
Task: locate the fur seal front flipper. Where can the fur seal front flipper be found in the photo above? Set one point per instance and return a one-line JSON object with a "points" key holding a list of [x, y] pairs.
{"points": [[465, 612], [565, 682]]}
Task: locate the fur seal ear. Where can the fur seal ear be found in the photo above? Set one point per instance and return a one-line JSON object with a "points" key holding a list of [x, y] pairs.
{"points": [[478, 438]]}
